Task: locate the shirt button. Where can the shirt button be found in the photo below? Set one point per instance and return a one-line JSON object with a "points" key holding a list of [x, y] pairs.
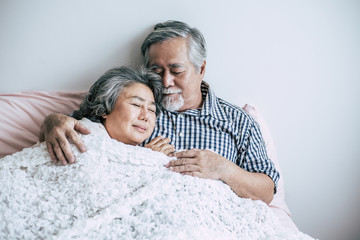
{"points": [[181, 115], [181, 134]]}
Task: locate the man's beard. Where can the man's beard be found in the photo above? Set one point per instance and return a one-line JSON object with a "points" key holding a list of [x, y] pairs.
{"points": [[173, 102]]}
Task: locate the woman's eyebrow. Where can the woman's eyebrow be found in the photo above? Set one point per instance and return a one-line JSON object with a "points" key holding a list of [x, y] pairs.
{"points": [[141, 99]]}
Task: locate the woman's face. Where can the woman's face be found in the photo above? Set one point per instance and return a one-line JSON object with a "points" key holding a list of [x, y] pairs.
{"points": [[133, 117]]}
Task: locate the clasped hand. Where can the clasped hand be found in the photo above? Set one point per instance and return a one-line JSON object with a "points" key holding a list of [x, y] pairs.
{"points": [[161, 144], [198, 163]]}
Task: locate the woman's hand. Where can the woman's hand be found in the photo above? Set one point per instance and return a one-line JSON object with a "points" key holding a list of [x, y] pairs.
{"points": [[161, 144]]}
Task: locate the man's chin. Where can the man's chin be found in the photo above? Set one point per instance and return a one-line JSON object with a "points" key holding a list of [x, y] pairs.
{"points": [[172, 108], [171, 105]]}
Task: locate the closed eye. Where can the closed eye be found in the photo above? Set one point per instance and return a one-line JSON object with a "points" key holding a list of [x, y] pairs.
{"points": [[136, 105], [177, 68], [157, 70], [160, 73]]}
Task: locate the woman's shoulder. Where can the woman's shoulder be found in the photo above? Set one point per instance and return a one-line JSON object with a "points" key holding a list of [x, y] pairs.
{"points": [[94, 127]]}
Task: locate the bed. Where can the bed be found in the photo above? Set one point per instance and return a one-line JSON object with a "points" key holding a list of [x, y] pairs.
{"points": [[143, 209]]}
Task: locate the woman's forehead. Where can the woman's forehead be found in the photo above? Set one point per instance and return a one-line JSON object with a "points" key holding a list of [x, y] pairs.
{"points": [[137, 91]]}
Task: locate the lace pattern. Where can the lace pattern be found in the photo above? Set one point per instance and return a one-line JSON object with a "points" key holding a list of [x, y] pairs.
{"points": [[117, 191]]}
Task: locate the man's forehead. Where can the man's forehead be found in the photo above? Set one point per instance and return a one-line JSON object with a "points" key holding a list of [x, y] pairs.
{"points": [[171, 47]]}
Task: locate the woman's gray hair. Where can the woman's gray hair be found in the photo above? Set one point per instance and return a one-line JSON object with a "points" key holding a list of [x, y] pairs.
{"points": [[172, 29], [102, 96]]}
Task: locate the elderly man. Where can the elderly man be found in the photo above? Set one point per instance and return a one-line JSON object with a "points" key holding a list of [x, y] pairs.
{"points": [[219, 140]]}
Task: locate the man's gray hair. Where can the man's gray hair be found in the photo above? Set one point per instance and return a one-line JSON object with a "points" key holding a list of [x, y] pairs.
{"points": [[102, 96], [172, 29]]}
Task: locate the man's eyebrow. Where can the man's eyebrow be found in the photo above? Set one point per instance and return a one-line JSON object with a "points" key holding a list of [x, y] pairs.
{"points": [[141, 99], [176, 65], [154, 67]]}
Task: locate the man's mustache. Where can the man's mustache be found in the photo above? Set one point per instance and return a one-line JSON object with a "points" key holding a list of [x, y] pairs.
{"points": [[170, 91]]}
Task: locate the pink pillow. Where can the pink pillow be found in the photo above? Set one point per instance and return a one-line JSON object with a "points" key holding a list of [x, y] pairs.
{"points": [[22, 114], [278, 204]]}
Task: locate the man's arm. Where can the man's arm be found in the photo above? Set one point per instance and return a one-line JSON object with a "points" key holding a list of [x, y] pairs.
{"points": [[207, 164], [255, 179], [56, 130], [257, 186]]}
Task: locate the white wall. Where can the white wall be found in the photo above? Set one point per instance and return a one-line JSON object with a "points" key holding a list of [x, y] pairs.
{"points": [[298, 61]]}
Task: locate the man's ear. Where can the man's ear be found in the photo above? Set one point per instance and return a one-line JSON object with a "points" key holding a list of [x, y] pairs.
{"points": [[104, 116], [202, 68]]}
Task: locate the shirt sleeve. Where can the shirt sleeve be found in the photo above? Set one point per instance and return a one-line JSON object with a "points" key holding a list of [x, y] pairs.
{"points": [[253, 154]]}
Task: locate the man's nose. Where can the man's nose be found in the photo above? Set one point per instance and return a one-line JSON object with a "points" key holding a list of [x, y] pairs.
{"points": [[168, 79]]}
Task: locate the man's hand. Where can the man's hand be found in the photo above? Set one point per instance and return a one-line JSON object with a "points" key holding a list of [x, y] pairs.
{"points": [[207, 164], [161, 144], [198, 163], [56, 130]]}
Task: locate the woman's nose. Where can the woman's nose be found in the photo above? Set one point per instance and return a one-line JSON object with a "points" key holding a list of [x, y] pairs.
{"points": [[144, 114]]}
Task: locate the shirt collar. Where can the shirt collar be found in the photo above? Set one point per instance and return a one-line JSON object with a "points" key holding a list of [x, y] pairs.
{"points": [[211, 104]]}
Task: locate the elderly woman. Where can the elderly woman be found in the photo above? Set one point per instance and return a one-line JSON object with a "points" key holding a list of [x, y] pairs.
{"points": [[126, 103], [39, 198]]}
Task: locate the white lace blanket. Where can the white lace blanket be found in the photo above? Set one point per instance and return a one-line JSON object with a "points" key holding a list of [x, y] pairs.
{"points": [[116, 191]]}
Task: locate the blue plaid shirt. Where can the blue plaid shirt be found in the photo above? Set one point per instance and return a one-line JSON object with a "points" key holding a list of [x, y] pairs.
{"points": [[221, 127]]}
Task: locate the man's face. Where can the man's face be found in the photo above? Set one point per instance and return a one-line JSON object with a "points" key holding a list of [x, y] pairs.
{"points": [[170, 59], [133, 118]]}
